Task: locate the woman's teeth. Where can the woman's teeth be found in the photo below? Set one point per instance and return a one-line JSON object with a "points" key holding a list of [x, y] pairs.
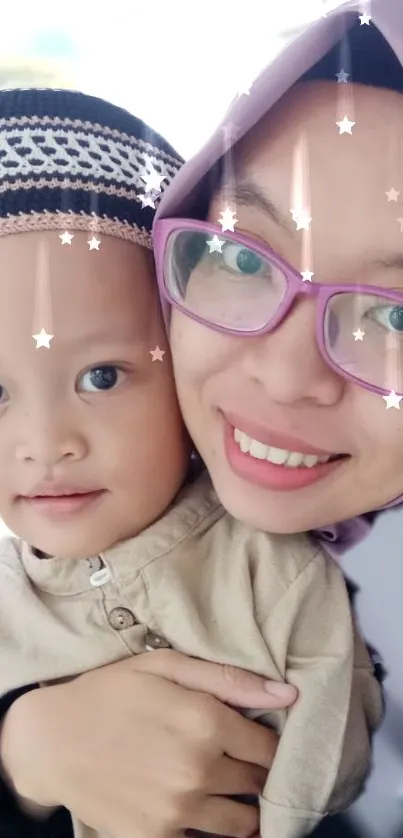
{"points": [[278, 456]]}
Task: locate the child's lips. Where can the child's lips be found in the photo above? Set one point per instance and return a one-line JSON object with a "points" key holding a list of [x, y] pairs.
{"points": [[59, 505], [55, 489]]}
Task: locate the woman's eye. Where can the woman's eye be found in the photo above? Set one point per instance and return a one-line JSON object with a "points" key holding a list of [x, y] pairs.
{"points": [[241, 259], [100, 378], [194, 249], [390, 317]]}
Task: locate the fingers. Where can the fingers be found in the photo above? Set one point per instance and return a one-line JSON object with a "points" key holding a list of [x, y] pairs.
{"points": [[218, 816], [247, 741], [229, 777], [211, 724], [227, 683]]}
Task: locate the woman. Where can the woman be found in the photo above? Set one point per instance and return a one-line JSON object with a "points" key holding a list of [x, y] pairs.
{"points": [[313, 210], [333, 401]]}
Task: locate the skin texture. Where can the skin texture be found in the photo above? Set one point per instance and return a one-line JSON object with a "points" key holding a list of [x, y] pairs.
{"points": [[280, 380], [54, 423]]}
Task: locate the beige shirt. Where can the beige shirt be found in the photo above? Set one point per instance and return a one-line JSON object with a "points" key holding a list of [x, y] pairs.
{"points": [[212, 588]]}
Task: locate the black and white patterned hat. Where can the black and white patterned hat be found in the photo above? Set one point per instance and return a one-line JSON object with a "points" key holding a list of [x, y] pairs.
{"points": [[69, 161]]}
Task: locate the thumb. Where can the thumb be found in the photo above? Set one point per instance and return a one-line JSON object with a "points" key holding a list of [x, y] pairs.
{"points": [[229, 684]]}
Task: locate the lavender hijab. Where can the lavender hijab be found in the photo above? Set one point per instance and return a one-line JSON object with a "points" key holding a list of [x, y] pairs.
{"points": [[371, 55]]}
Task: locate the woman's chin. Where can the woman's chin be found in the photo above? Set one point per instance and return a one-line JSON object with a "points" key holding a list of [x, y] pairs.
{"points": [[275, 511]]}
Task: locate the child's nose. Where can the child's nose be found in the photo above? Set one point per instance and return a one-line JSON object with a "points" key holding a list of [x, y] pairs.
{"points": [[47, 443]]}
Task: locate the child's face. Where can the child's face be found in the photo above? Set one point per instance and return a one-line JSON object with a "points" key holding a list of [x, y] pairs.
{"points": [[93, 413]]}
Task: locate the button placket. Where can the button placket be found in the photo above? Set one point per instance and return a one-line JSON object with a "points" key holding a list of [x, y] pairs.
{"points": [[155, 641], [120, 617]]}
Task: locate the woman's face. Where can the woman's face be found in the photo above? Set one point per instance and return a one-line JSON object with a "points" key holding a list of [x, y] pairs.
{"points": [[277, 388]]}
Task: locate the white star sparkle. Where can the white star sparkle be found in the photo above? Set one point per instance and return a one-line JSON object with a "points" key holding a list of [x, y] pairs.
{"points": [[392, 400], [345, 125], [147, 201], [66, 238], [43, 339], [358, 334], [94, 243], [228, 220], [152, 180], [215, 244], [307, 276], [301, 218], [342, 77], [365, 19]]}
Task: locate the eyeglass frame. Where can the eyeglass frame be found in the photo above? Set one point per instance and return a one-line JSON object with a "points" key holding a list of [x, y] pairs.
{"points": [[296, 286]]}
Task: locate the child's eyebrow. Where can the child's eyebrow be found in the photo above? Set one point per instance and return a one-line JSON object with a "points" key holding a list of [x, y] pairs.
{"points": [[117, 337]]}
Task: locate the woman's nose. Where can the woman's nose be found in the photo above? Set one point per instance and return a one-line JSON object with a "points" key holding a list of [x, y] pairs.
{"points": [[288, 362]]}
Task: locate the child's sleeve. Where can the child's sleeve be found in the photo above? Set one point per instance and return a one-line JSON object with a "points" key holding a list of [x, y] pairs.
{"points": [[324, 752], [17, 650], [14, 823]]}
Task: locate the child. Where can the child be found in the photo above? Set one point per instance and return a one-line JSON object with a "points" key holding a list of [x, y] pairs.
{"points": [[108, 559]]}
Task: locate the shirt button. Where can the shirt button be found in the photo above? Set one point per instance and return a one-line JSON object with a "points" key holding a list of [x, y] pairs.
{"points": [[100, 577], [155, 641], [121, 618]]}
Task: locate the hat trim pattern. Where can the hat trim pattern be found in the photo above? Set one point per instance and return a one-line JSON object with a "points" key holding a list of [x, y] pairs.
{"points": [[93, 127], [66, 183], [52, 150], [66, 221]]}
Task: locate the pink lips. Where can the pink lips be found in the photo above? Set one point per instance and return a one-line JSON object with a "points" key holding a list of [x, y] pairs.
{"points": [[47, 488], [271, 476], [55, 501]]}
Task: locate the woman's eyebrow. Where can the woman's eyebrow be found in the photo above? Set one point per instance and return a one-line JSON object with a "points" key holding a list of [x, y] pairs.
{"points": [[395, 260], [248, 194]]}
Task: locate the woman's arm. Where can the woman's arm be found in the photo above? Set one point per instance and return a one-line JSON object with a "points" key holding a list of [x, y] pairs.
{"points": [[163, 720]]}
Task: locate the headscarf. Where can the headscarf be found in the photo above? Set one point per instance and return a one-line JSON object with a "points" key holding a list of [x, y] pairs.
{"points": [[371, 53]]}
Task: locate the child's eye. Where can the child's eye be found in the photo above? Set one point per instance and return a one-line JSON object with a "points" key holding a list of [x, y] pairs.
{"points": [[3, 394], [100, 378]]}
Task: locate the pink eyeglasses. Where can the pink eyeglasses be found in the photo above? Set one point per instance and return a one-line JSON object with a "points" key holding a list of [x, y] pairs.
{"points": [[238, 286]]}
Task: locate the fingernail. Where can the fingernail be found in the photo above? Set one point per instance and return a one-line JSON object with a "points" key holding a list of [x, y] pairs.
{"points": [[285, 691]]}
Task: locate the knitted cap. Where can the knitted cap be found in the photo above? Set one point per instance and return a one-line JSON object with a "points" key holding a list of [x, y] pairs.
{"points": [[69, 161]]}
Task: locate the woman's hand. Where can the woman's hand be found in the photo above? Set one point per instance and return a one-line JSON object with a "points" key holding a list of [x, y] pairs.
{"points": [[145, 746]]}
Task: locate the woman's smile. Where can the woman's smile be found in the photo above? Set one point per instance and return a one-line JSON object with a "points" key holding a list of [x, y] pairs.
{"points": [[275, 468]]}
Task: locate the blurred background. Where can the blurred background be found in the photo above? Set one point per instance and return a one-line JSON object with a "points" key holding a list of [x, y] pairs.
{"points": [[178, 65], [175, 64]]}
